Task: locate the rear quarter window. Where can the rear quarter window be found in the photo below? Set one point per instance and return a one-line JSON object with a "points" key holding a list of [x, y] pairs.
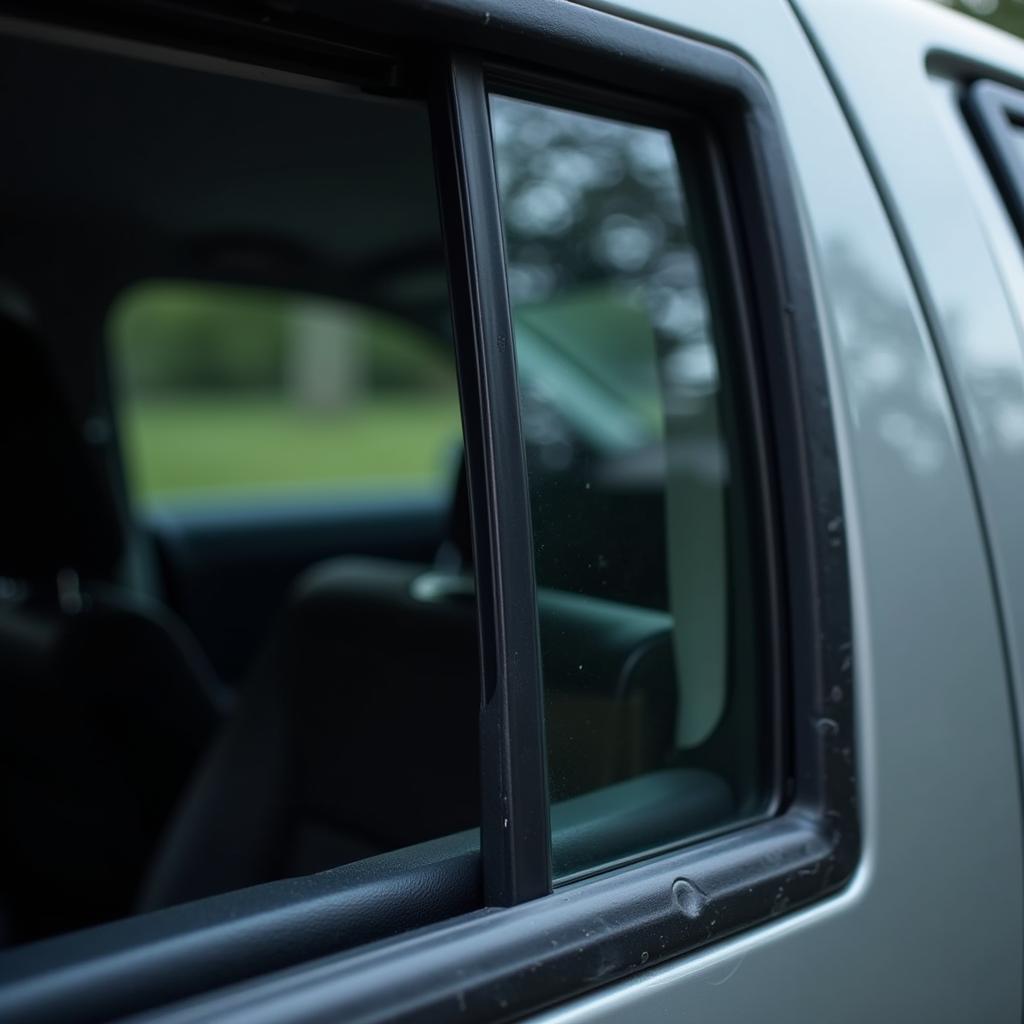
{"points": [[996, 113]]}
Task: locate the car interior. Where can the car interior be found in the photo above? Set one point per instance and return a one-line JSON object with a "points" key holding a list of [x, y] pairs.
{"points": [[200, 698]]}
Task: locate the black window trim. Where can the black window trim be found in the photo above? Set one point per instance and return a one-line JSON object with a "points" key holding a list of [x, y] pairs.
{"points": [[994, 111], [515, 833], [704, 174], [502, 962]]}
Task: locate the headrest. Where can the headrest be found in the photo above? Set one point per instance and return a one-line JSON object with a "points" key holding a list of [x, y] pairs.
{"points": [[58, 510]]}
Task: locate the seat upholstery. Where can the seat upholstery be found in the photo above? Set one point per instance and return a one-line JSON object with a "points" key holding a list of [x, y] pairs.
{"points": [[357, 735], [107, 700], [59, 510]]}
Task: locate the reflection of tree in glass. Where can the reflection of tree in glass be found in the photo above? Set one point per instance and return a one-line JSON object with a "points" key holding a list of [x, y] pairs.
{"points": [[618, 375], [602, 270], [590, 202], [1004, 14]]}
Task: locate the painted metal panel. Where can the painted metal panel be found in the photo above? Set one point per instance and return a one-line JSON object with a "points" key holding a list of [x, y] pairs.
{"points": [[956, 233]]}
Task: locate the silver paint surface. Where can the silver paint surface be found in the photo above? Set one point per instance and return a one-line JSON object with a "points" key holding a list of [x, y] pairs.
{"points": [[958, 232]]}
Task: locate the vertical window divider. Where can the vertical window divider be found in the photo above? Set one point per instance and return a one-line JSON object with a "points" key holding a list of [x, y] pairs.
{"points": [[515, 820]]}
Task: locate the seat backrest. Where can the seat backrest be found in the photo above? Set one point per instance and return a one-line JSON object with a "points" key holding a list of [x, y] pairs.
{"points": [[358, 735], [104, 714], [106, 700], [59, 510]]}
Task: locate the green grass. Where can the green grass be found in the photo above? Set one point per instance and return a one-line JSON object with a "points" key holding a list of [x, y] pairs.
{"points": [[209, 445]]}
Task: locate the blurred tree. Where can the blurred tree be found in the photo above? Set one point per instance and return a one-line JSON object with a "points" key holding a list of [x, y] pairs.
{"points": [[594, 211], [1005, 14], [176, 337]]}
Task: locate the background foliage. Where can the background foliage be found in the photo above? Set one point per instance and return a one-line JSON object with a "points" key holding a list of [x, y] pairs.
{"points": [[1004, 14]]}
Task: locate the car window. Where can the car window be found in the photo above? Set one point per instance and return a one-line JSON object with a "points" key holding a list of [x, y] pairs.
{"points": [[268, 303], [229, 390], [996, 113], [252, 268], [637, 511]]}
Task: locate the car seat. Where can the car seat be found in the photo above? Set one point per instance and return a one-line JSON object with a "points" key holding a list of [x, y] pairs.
{"points": [[107, 699]]}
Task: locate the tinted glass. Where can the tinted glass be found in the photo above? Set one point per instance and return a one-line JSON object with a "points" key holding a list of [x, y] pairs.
{"points": [[206, 699], [1017, 134], [254, 391], [644, 592]]}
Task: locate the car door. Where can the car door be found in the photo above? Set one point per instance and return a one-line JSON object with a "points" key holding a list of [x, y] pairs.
{"points": [[745, 734]]}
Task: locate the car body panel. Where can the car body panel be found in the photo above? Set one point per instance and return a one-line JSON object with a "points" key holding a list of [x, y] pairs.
{"points": [[956, 233]]}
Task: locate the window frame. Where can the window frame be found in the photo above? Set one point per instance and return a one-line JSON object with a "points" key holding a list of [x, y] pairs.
{"points": [[994, 110], [702, 174], [515, 837], [528, 948]]}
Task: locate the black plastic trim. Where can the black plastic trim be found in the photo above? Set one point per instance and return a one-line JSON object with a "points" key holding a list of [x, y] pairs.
{"points": [[143, 961], [995, 111], [515, 825], [496, 965], [220, 31]]}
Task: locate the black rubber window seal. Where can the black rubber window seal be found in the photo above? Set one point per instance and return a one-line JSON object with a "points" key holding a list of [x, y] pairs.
{"points": [[995, 112]]}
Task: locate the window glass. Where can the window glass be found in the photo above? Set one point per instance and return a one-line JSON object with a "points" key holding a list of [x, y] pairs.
{"points": [[1017, 134], [247, 690], [651, 719], [231, 389]]}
